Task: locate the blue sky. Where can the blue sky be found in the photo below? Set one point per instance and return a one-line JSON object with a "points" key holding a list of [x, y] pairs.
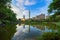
{"points": [[36, 7]]}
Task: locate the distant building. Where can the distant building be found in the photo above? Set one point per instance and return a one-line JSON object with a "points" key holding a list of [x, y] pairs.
{"points": [[47, 17], [23, 19], [39, 17]]}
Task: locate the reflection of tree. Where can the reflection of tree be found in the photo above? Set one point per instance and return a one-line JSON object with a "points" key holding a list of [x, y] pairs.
{"points": [[19, 24], [48, 26], [39, 26], [51, 26], [7, 32]]}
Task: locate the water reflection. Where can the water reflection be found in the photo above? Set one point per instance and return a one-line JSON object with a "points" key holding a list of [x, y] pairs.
{"points": [[28, 32], [47, 28], [25, 32]]}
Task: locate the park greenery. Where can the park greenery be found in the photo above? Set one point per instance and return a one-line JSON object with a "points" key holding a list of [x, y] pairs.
{"points": [[6, 14], [7, 32], [8, 17], [7, 20], [54, 7]]}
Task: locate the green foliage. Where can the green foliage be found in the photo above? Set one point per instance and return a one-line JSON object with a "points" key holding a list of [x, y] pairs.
{"points": [[49, 36], [5, 12], [6, 17], [7, 32], [5, 3], [57, 13], [57, 23], [55, 5]]}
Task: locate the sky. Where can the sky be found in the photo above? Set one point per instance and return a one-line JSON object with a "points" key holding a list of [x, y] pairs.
{"points": [[36, 7]]}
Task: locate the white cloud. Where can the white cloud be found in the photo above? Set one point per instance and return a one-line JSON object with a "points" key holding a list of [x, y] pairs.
{"points": [[26, 13], [27, 2], [19, 8], [20, 1], [17, 11]]}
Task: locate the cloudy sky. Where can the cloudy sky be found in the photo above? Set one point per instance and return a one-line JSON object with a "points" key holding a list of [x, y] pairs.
{"points": [[36, 7]]}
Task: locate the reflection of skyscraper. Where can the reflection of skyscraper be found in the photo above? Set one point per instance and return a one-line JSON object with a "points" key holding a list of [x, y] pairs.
{"points": [[24, 26], [29, 27], [29, 20], [24, 16]]}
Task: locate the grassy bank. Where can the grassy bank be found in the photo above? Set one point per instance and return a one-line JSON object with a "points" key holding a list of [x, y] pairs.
{"points": [[7, 32], [51, 35], [57, 23]]}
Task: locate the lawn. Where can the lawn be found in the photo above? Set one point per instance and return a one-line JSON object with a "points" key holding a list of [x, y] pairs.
{"points": [[58, 23]]}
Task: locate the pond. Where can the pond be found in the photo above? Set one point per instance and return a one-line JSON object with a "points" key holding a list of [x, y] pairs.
{"points": [[24, 31], [30, 32]]}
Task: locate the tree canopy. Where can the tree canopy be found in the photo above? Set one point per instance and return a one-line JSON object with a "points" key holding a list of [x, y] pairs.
{"points": [[5, 12], [54, 6]]}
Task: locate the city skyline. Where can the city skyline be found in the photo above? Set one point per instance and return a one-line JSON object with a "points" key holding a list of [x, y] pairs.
{"points": [[36, 7]]}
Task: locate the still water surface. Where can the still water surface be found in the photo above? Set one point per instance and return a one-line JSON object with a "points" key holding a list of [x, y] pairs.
{"points": [[28, 32]]}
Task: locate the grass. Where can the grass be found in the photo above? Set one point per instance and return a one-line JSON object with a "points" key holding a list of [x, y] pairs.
{"points": [[49, 36], [58, 23]]}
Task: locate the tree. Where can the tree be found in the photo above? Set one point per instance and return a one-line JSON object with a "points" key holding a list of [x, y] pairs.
{"points": [[54, 7], [5, 12]]}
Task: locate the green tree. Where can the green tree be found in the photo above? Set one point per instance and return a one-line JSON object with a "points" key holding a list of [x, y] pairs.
{"points": [[5, 12], [54, 7]]}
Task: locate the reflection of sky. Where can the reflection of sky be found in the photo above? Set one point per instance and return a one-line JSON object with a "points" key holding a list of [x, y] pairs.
{"points": [[25, 31]]}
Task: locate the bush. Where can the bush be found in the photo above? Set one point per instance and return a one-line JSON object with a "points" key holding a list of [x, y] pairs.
{"points": [[49, 36]]}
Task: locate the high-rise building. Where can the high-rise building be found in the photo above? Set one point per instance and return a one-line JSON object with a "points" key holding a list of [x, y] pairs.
{"points": [[39, 17]]}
